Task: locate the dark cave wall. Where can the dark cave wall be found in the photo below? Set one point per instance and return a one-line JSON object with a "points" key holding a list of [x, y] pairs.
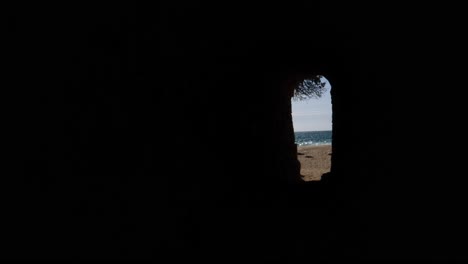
{"points": [[254, 169], [174, 135]]}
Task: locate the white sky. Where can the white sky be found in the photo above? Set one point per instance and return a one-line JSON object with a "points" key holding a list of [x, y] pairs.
{"points": [[313, 114]]}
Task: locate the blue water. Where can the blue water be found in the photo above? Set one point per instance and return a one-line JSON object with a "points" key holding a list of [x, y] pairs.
{"points": [[314, 138]]}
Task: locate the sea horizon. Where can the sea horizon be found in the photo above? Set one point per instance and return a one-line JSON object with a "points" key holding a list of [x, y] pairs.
{"points": [[313, 131], [313, 138]]}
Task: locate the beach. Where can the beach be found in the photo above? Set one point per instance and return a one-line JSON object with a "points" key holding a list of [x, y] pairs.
{"points": [[315, 161]]}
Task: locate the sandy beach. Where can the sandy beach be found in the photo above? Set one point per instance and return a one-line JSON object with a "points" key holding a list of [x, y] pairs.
{"points": [[315, 161]]}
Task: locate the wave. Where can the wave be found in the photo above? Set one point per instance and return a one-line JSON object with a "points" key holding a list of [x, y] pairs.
{"points": [[313, 138]]}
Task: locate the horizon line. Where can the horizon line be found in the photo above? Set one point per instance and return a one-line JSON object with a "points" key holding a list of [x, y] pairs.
{"points": [[314, 130]]}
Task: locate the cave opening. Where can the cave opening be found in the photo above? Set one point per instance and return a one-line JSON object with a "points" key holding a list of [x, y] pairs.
{"points": [[311, 112]]}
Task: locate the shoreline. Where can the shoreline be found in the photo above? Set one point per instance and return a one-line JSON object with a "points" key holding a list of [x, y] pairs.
{"points": [[315, 161], [314, 145]]}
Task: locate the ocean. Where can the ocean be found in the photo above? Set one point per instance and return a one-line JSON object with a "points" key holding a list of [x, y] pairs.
{"points": [[313, 138]]}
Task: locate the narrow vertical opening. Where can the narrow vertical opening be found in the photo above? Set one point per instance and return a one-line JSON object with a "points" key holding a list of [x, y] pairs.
{"points": [[312, 122]]}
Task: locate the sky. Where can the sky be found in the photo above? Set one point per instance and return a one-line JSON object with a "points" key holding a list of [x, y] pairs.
{"points": [[313, 114]]}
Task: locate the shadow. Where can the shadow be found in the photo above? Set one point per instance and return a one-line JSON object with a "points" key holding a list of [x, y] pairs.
{"points": [[98, 166]]}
